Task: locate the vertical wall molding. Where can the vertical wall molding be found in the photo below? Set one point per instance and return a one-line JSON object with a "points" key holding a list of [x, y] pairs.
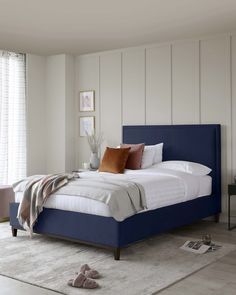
{"points": [[158, 85], [122, 94], [229, 94], [87, 77], [199, 77], [99, 91], [233, 107], [145, 86], [110, 89], [171, 84], [231, 104], [185, 82], [133, 81], [215, 94], [229, 165]]}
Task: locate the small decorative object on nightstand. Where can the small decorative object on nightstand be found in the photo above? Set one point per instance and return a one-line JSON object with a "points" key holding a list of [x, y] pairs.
{"points": [[94, 142], [80, 170], [231, 192], [86, 166]]}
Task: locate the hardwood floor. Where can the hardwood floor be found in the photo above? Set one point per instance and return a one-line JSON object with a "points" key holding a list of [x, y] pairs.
{"points": [[218, 278], [13, 287]]}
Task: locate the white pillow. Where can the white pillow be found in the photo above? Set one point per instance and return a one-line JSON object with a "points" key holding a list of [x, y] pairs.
{"points": [[148, 156], [185, 166], [158, 153]]}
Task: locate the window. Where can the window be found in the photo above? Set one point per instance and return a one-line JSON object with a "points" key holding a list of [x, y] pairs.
{"points": [[12, 117]]}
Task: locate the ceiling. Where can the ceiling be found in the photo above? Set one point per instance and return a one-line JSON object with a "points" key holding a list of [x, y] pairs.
{"points": [[84, 26]]}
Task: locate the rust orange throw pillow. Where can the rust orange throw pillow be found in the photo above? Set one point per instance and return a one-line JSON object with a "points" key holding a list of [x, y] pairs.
{"points": [[114, 160], [135, 155]]}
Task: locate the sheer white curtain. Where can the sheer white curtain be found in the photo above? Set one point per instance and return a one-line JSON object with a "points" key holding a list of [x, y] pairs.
{"points": [[12, 117]]}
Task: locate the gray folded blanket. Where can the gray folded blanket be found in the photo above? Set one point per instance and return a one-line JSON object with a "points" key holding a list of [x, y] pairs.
{"points": [[119, 194], [36, 193]]}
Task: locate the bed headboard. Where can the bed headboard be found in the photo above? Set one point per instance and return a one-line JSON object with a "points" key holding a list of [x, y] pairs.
{"points": [[196, 143]]}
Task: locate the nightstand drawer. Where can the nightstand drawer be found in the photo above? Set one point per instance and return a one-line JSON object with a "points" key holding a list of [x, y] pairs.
{"points": [[232, 189]]}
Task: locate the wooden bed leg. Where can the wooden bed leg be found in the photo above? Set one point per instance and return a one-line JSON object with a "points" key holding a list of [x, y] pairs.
{"points": [[14, 231], [117, 253], [217, 217]]}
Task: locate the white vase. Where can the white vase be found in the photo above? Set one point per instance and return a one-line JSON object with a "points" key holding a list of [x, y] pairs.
{"points": [[94, 161]]}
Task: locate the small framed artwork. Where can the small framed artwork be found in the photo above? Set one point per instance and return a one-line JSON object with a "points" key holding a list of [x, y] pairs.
{"points": [[87, 125], [87, 101]]}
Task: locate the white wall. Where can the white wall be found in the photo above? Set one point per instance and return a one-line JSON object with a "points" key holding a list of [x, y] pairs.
{"points": [[110, 97], [87, 77], [50, 114], [180, 82], [158, 82], [133, 87], [60, 113], [36, 125], [70, 113], [55, 109]]}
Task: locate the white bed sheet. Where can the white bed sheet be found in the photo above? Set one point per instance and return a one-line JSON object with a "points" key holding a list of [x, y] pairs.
{"points": [[162, 187]]}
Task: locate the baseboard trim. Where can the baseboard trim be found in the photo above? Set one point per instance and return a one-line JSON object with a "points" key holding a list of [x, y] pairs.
{"points": [[4, 219]]}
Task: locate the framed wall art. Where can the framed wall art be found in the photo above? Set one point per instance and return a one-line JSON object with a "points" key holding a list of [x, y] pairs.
{"points": [[87, 101], [87, 125]]}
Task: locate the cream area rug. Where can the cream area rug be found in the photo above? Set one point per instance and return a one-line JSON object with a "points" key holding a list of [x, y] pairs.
{"points": [[145, 268]]}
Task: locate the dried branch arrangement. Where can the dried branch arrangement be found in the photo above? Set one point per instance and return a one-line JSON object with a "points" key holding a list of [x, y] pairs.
{"points": [[94, 141]]}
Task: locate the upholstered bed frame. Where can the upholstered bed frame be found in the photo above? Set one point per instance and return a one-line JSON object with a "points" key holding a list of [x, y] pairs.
{"points": [[196, 143]]}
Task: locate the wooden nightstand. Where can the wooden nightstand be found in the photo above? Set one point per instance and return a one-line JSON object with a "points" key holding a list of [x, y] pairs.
{"points": [[80, 170], [231, 192]]}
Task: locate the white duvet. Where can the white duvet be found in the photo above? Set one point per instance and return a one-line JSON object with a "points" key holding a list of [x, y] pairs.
{"points": [[162, 187]]}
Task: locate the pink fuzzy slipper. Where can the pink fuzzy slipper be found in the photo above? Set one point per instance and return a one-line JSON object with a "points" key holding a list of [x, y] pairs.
{"points": [[88, 272], [81, 281]]}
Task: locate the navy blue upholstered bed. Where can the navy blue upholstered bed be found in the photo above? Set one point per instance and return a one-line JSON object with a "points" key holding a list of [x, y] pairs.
{"points": [[196, 143]]}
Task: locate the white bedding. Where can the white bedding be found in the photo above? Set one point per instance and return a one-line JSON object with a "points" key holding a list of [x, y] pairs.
{"points": [[162, 187]]}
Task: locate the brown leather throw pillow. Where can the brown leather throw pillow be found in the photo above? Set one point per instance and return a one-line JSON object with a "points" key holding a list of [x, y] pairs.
{"points": [[114, 160], [135, 155]]}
